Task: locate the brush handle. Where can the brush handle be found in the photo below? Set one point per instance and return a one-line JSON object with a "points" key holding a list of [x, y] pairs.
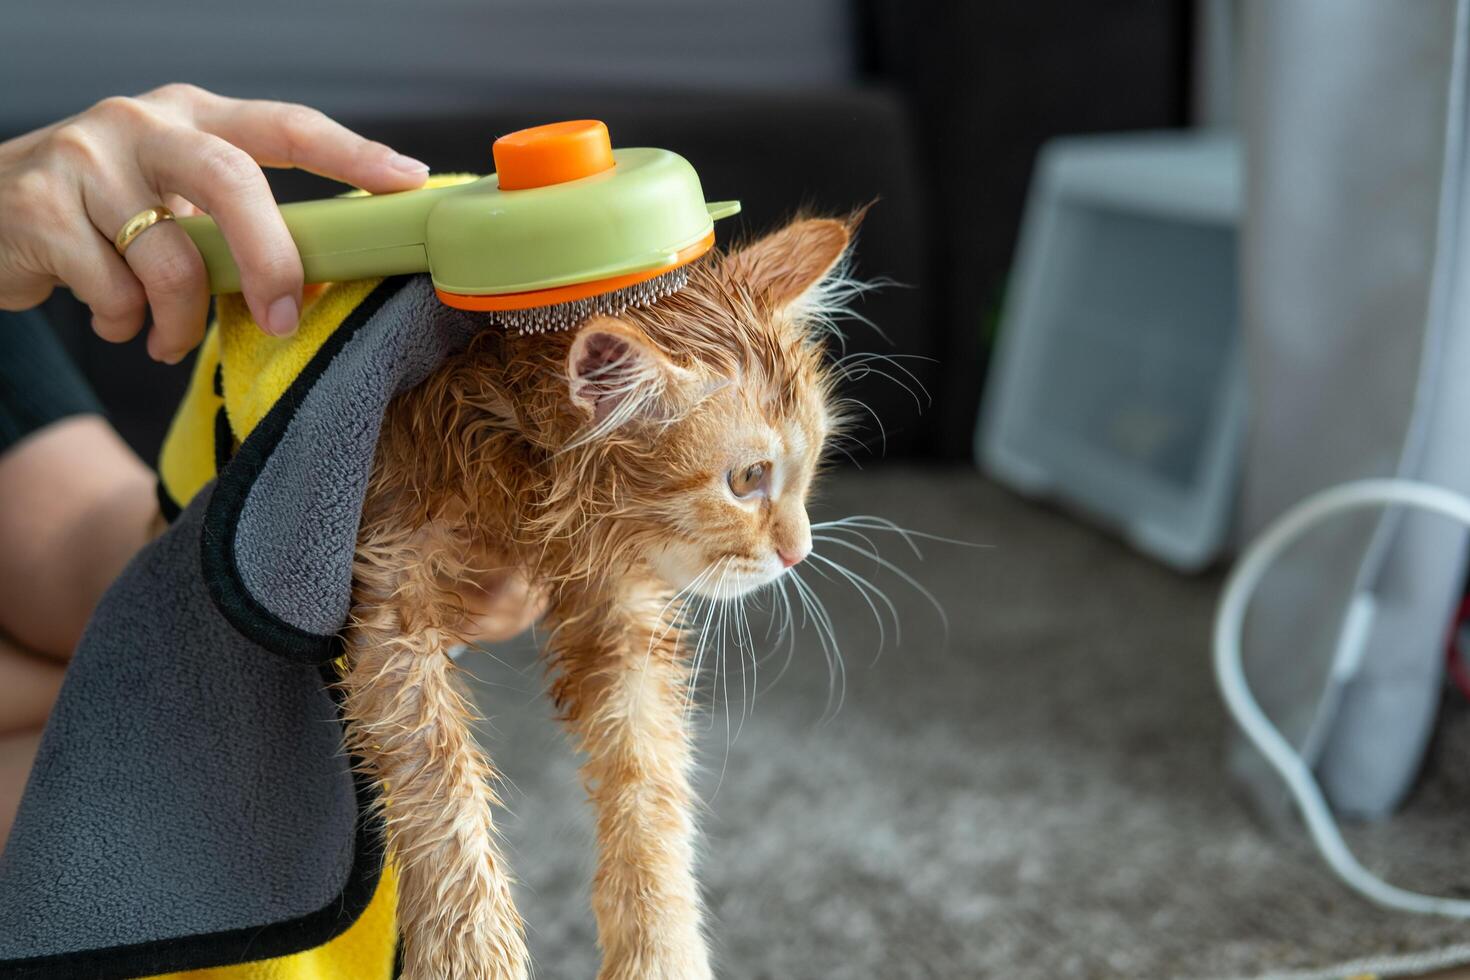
{"points": [[339, 238], [477, 240]]}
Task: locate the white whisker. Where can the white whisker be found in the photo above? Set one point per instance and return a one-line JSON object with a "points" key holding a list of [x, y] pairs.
{"points": [[722, 675], [839, 443], [862, 362], [882, 432], [743, 642], [706, 610], [837, 670], [722, 672], [788, 629], [864, 586], [871, 522], [913, 582]]}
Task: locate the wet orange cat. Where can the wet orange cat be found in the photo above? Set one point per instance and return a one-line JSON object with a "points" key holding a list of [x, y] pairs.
{"points": [[599, 477]]}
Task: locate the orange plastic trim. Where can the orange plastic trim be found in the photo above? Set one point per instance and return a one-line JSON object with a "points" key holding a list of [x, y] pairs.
{"points": [[577, 290], [552, 154]]}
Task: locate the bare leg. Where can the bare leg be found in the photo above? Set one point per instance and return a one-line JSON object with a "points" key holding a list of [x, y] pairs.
{"points": [[78, 505], [17, 752], [624, 704], [28, 688], [29, 684]]}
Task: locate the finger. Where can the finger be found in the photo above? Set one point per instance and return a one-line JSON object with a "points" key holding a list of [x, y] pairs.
{"points": [[179, 206], [91, 268], [224, 181], [172, 273], [162, 259], [282, 134]]}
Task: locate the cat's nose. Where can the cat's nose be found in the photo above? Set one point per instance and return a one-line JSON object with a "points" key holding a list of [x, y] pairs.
{"points": [[792, 556]]}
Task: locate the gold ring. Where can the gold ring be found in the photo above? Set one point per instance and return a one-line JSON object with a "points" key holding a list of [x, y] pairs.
{"points": [[139, 223]]}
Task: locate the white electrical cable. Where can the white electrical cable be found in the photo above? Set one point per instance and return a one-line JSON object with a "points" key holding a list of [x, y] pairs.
{"points": [[1230, 671]]}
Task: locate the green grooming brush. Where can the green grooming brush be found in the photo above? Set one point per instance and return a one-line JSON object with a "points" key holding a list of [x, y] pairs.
{"points": [[566, 227]]}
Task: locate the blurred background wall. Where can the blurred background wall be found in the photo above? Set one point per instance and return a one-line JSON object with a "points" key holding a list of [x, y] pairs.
{"points": [[369, 57], [934, 108], [1040, 790]]}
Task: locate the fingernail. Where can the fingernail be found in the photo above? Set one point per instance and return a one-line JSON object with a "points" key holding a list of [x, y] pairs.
{"points": [[281, 316], [157, 351], [407, 165]]}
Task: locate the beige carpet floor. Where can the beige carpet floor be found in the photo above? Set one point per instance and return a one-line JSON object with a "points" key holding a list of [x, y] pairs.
{"points": [[1038, 793]]}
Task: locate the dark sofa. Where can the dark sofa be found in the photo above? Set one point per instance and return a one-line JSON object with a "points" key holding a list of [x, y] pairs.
{"points": [[824, 152], [948, 105]]}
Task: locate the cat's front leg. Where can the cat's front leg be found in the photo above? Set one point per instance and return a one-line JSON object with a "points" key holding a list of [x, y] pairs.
{"points": [[410, 723], [625, 704]]}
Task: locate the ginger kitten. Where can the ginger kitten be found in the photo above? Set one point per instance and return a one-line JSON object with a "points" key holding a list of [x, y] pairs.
{"points": [[603, 477]]}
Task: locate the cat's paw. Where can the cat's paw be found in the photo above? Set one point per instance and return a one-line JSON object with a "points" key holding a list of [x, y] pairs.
{"points": [[638, 970], [681, 957], [505, 959]]}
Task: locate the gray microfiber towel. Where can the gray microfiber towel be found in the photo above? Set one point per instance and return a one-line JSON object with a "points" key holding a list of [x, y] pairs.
{"points": [[192, 804]]}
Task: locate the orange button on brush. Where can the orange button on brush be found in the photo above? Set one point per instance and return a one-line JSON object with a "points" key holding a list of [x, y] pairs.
{"points": [[552, 154]]}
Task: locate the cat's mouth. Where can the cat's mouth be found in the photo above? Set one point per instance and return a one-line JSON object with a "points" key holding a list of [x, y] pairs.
{"points": [[728, 577]]}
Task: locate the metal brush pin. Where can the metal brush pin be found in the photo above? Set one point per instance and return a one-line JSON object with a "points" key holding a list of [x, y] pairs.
{"points": [[565, 316]]}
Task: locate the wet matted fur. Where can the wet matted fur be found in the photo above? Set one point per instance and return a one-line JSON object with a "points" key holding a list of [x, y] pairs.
{"points": [[606, 479]]}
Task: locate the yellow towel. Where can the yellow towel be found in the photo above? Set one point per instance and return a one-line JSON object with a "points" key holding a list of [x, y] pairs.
{"points": [[364, 952], [240, 373], [257, 369]]}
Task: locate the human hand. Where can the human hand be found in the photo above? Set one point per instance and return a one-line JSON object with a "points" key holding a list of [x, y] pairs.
{"points": [[67, 189], [501, 606]]}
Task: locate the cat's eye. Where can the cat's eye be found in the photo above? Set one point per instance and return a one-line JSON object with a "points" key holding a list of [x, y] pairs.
{"points": [[746, 480]]}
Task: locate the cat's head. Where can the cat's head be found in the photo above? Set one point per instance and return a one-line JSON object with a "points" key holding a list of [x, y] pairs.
{"points": [[712, 409]]}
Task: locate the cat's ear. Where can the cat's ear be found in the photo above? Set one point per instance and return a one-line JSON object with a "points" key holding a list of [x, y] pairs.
{"points": [[786, 265], [615, 373]]}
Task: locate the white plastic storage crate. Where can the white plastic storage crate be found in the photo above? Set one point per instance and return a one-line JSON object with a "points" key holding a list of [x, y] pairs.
{"points": [[1117, 386]]}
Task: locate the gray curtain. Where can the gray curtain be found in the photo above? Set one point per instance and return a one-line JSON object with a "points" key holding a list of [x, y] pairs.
{"points": [[1358, 347]]}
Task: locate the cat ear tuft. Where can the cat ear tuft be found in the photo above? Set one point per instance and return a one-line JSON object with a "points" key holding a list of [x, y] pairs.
{"points": [[787, 264], [614, 371]]}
